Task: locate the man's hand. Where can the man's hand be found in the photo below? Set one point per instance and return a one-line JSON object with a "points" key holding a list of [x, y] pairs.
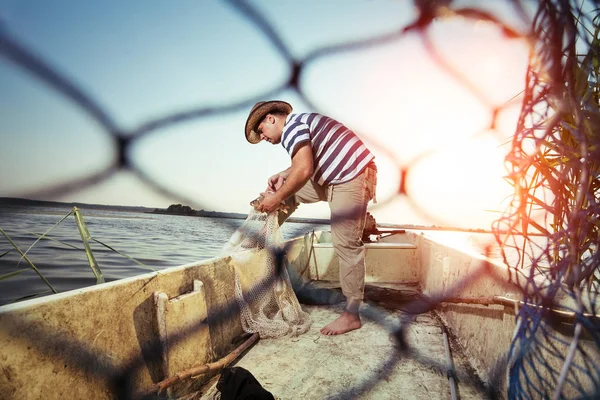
{"points": [[275, 182], [270, 202], [288, 182]]}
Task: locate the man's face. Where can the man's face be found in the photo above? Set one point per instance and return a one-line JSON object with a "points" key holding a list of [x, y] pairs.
{"points": [[269, 129]]}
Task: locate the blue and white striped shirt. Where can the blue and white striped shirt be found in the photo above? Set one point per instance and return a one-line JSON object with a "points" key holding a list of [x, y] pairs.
{"points": [[338, 154]]}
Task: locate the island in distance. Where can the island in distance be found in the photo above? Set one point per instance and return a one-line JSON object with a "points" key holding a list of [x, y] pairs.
{"points": [[173, 209]]}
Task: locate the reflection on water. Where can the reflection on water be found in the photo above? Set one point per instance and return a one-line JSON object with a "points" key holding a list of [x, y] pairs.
{"points": [[158, 241]]}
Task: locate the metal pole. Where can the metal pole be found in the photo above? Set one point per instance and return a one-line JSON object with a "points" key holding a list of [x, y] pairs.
{"points": [[85, 236], [451, 373]]}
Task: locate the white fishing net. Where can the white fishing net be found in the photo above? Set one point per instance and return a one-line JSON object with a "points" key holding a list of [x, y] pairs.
{"points": [[263, 291]]}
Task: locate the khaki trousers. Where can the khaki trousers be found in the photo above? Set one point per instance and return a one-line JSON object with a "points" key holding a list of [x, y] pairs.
{"points": [[348, 204]]}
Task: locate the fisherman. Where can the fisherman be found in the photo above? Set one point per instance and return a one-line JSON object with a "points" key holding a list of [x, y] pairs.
{"points": [[329, 163]]}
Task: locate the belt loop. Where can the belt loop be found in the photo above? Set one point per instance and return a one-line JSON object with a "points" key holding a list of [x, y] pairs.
{"points": [[330, 193]]}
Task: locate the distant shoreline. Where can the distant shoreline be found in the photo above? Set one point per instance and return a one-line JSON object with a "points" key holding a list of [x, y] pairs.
{"points": [[16, 202], [218, 214]]}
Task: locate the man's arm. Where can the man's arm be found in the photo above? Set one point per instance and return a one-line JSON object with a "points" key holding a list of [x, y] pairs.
{"points": [[276, 181], [298, 174]]}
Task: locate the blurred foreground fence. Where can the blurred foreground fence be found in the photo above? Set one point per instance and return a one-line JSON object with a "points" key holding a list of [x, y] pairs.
{"points": [[555, 169], [553, 165]]}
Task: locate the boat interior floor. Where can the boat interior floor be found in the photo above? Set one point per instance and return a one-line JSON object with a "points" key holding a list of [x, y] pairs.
{"points": [[373, 362]]}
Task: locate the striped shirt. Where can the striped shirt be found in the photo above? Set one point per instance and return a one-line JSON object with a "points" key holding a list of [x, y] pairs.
{"points": [[338, 154]]}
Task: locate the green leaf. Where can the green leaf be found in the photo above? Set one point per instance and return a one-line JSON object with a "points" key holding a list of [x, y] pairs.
{"points": [[125, 255], [28, 260], [43, 235], [30, 296], [5, 253], [10, 274]]}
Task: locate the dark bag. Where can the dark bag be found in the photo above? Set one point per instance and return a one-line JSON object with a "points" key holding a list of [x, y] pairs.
{"points": [[237, 383]]}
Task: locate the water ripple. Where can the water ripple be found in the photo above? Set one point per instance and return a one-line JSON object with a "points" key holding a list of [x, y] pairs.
{"points": [[158, 241]]}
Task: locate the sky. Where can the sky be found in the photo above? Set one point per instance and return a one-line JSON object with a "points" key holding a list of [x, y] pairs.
{"points": [[143, 60]]}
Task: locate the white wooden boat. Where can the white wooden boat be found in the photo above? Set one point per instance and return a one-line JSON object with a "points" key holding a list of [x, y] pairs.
{"points": [[122, 339]]}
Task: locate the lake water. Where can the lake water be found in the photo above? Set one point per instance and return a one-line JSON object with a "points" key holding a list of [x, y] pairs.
{"points": [[158, 241]]}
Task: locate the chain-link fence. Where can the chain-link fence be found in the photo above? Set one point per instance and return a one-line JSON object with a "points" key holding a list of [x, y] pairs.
{"points": [[553, 165]]}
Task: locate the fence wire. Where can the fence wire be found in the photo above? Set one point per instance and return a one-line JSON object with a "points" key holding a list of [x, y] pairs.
{"points": [[553, 166], [555, 170]]}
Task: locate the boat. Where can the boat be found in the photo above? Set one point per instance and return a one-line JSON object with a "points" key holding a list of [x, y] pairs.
{"points": [[437, 323]]}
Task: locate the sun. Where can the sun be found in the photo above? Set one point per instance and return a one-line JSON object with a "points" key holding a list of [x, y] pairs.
{"points": [[449, 131]]}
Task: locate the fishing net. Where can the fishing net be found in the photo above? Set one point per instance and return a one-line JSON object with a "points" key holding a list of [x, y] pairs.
{"points": [[263, 291]]}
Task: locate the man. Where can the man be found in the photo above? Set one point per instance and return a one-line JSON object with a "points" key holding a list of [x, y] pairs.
{"points": [[329, 163]]}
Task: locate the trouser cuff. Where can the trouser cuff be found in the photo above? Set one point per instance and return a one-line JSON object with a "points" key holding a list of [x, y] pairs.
{"points": [[353, 304]]}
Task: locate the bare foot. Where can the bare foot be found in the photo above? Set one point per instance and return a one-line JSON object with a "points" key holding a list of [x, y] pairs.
{"points": [[344, 323]]}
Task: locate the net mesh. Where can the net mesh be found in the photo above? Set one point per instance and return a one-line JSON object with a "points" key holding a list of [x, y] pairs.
{"points": [[263, 291], [552, 165]]}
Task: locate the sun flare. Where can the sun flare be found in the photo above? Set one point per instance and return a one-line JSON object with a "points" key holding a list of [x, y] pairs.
{"points": [[451, 134]]}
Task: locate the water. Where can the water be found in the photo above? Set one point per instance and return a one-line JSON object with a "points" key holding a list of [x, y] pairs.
{"points": [[158, 241]]}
